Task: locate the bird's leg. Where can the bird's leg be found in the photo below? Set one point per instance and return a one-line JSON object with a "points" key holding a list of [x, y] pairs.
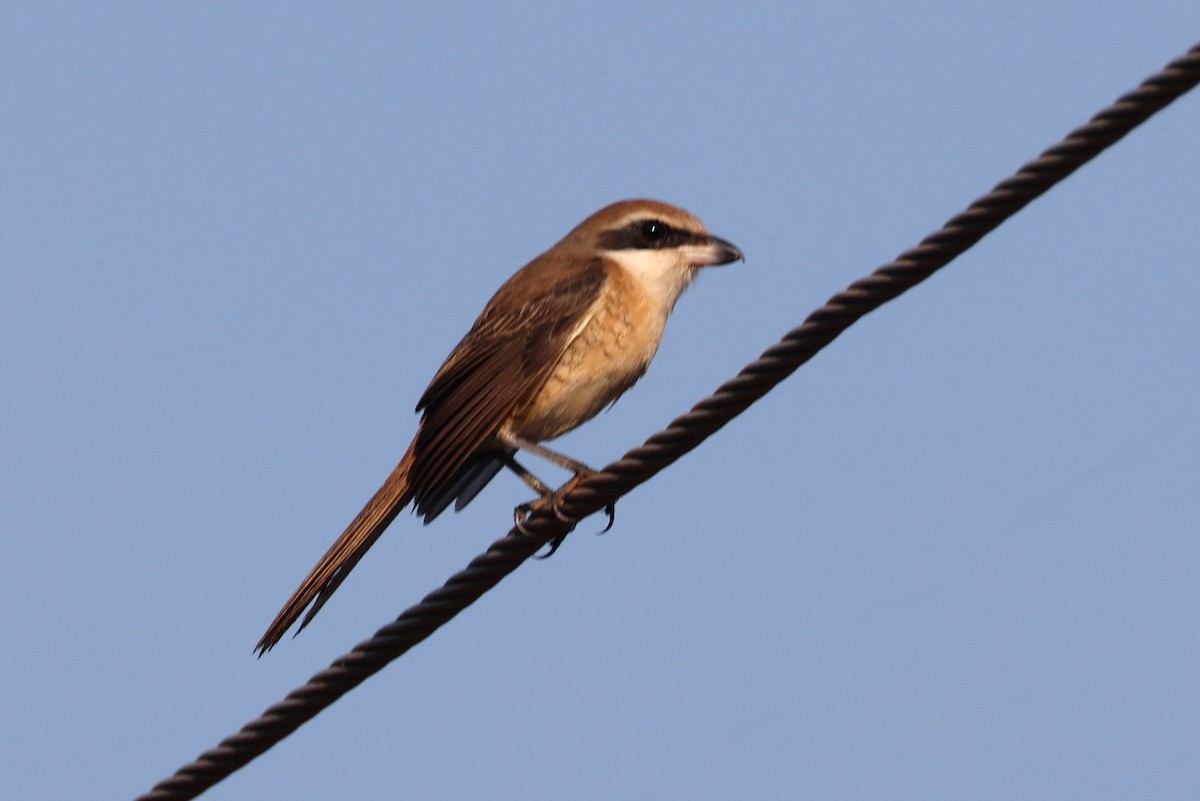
{"points": [[581, 470], [539, 486], [565, 462], [522, 512]]}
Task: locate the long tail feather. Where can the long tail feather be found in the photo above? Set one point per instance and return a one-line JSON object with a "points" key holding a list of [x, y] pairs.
{"points": [[395, 494]]}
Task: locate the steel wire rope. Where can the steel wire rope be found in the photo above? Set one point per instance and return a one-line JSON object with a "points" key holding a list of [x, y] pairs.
{"points": [[583, 497]]}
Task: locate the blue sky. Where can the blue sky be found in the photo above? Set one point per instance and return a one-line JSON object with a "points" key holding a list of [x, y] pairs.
{"points": [[953, 557]]}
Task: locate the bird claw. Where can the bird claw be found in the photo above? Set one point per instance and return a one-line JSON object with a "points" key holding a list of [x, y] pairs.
{"points": [[611, 511], [522, 513], [554, 543]]}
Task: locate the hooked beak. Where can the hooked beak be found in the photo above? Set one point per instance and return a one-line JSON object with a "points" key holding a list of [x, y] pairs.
{"points": [[712, 251]]}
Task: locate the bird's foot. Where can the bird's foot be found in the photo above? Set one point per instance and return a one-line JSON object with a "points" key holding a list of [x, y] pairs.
{"points": [[523, 512]]}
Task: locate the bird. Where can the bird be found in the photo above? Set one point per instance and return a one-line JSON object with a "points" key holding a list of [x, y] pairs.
{"points": [[559, 342]]}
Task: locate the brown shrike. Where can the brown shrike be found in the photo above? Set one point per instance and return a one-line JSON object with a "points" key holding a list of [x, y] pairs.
{"points": [[560, 341]]}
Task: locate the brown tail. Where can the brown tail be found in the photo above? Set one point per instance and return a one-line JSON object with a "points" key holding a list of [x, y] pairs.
{"points": [[339, 560]]}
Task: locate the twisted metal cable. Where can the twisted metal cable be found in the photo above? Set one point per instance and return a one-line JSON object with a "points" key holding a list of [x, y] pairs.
{"points": [[582, 497]]}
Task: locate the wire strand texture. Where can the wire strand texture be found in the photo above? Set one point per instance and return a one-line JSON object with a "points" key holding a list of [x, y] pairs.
{"points": [[582, 497]]}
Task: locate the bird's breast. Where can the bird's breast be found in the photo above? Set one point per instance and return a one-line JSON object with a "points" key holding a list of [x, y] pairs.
{"points": [[615, 344]]}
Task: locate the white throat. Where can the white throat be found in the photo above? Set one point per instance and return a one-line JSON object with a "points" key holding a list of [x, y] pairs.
{"points": [[663, 273]]}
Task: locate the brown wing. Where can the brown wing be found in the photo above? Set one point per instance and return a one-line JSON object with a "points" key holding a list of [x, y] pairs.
{"points": [[497, 368]]}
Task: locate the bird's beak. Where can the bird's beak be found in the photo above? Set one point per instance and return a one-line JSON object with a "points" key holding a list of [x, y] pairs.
{"points": [[712, 251]]}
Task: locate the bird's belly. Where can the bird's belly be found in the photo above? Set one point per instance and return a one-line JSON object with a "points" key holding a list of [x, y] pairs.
{"points": [[607, 357]]}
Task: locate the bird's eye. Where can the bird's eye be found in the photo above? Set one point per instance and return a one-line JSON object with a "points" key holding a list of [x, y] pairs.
{"points": [[653, 231]]}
